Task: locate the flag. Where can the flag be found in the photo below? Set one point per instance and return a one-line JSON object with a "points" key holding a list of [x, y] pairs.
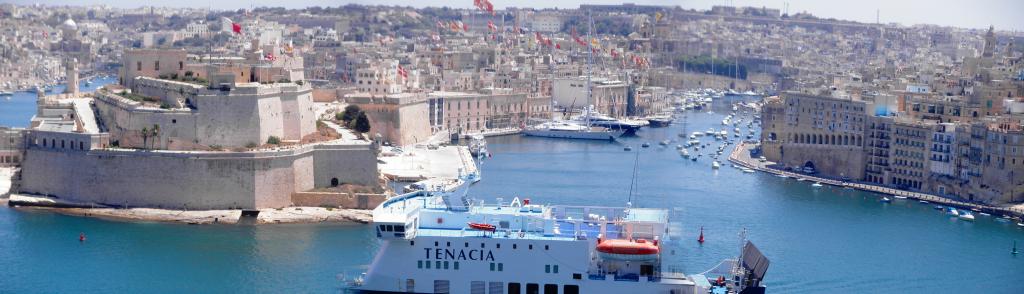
{"points": [[658, 16], [440, 24], [402, 72], [558, 46], [488, 6], [236, 27], [465, 27], [491, 26], [478, 4], [270, 57]]}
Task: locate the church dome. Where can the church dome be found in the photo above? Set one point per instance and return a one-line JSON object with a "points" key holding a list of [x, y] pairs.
{"points": [[69, 24]]}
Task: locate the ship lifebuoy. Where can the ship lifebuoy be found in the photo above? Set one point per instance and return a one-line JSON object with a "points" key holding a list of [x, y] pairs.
{"points": [[440, 220], [521, 234]]}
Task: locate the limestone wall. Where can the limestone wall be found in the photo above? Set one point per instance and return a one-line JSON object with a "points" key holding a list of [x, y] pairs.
{"points": [[338, 199], [194, 180]]}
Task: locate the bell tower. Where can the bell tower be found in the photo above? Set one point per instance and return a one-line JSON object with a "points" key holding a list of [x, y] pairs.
{"points": [[71, 65]]}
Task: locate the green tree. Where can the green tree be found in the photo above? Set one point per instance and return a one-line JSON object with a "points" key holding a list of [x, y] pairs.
{"points": [[362, 123], [351, 112]]}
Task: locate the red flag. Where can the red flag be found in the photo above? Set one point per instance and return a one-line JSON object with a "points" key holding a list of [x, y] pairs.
{"points": [[465, 27], [538, 37], [488, 6], [491, 26], [270, 56], [236, 27], [439, 24], [558, 46], [478, 4]]}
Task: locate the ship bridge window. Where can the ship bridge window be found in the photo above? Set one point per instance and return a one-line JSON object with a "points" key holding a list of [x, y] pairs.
{"points": [[571, 289], [550, 289], [514, 288], [532, 288]]}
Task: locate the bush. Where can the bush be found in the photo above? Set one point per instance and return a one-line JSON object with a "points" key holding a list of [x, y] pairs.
{"points": [[351, 112], [216, 147], [273, 140], [362, 123], [251, 145]]}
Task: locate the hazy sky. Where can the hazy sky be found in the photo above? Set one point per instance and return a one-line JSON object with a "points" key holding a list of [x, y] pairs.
{"points": [[1004, 14]]}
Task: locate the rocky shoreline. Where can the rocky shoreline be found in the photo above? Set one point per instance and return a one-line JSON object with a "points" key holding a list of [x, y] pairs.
{"points": [[194, 217]]}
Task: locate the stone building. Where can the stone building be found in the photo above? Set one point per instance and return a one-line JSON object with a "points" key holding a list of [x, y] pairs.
{"points": [[822, 133]]}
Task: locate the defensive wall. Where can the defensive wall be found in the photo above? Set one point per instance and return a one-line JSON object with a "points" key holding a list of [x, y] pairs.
{"points": [[194, 180]]}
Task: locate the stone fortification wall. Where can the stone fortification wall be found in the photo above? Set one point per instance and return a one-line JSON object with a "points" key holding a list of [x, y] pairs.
{"points": [[194, 180], [242, 116], [338, 199], [124, 120]]}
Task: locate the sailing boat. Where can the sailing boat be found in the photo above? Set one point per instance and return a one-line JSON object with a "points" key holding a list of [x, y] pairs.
{"points": [[576, 129]]}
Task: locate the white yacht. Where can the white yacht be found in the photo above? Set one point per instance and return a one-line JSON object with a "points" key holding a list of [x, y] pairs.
{"points": [[435, 242], [478, 146], [571, 130]]}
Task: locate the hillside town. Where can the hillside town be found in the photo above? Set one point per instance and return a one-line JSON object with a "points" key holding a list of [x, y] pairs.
{"points": [[261, 92]]}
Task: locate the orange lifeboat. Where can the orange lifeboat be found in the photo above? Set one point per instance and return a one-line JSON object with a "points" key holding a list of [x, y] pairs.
{"points": [[635, 250], [482, 227]]}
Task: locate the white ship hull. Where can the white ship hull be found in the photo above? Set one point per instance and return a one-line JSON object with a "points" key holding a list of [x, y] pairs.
{"points": [[582, 135]]}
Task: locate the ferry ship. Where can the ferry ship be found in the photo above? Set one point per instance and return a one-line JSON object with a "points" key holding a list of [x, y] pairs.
{"points": [[439, 241]]}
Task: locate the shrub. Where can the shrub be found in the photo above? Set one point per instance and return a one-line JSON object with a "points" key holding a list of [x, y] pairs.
{"points": [[351, 112], [216, 147], [251, 145], [362, 123], [273, 140]]}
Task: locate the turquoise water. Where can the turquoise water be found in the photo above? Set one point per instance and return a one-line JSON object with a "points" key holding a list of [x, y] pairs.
{"points": [[820, 240], [19, 109]]}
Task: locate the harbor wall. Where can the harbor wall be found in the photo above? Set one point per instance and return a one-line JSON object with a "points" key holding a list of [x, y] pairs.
{"points": [[194, 180], [338, 199]]}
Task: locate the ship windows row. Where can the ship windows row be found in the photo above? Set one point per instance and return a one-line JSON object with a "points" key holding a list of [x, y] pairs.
{"points": [[482, 245], [481, 287], [437, 264]]}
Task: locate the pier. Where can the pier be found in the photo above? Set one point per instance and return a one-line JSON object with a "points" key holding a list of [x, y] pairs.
{"points": [[741, 157]]}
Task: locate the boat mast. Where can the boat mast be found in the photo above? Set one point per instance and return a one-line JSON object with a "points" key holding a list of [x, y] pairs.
{"points": [[590, 61]]}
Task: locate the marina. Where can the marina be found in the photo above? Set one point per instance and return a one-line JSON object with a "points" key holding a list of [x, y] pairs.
{"points": [[778, 213]]}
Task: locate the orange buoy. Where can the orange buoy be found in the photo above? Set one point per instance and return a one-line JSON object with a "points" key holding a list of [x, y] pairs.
{"points": [[81, 237]]}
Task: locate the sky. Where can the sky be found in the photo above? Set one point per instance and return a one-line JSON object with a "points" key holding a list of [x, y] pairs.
{"points": [[1003, 14]]}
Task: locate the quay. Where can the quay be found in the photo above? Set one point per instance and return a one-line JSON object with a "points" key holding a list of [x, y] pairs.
{"points": [[741, 157], [494, 132]]}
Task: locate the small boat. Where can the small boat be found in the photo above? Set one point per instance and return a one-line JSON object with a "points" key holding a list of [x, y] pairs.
{"points": [[953, 211], [816, 184], [482, 227], [967, 216], [800, 179], [715, 164], [627, 148], [923, 201], [886, 200], [684, 153], [620, 249], [984, 214], [781, 176], [939, 207], [747, 170], [1020, 224], [900, 197], [663, 143], [645, 145]]}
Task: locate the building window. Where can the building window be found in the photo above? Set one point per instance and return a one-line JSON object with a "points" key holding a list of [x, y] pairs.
{"points": [[156, 65], [138, 65]]}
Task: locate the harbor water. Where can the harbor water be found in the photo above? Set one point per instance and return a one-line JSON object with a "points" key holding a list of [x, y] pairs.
{"points": [[18, 109], [819, 240]]}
